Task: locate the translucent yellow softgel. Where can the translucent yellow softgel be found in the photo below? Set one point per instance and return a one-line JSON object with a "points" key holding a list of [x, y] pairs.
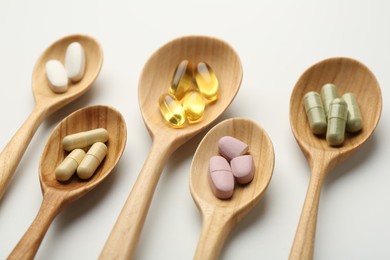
{"points": [[182, 80], [172, 111], [207, 81], [194, 106]]}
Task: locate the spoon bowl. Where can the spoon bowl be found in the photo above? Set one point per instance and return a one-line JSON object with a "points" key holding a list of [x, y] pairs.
{"points": [[57, 195], [349, 76], [162, 64], [154, 81], [46, 101], [221, 216]]}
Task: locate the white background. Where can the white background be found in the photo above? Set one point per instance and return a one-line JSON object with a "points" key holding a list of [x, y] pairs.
{"points": [[276, 41]]}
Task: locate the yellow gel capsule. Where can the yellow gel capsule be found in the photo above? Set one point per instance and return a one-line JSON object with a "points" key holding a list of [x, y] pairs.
{"points": [[91, 160], [206, 81], [194, 106], [69, 165], [172, 111], [182, 80]]}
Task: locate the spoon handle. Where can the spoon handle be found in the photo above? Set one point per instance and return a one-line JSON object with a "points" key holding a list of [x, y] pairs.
{"points": [[28, 245], [216, 227], [303, 246], [123, 240], [14, 150]]}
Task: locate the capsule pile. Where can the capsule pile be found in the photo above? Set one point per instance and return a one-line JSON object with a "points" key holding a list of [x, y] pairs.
{"points": [[234, 164], [85, 164], [332, 115], [192, 88]]}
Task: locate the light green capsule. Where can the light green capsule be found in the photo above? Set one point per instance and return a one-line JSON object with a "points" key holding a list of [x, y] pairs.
{"points": [[328, 93], [337, 119], [354, 121], [315, 112]]}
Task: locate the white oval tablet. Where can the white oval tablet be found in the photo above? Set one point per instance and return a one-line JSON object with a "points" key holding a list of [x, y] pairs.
{"points": [[75, 61], [56, 74]]}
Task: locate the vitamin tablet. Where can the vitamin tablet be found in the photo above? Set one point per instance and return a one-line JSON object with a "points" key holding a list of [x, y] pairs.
{"points": [[194, 106], [328, 93], [221, 177], [230, 147], [182, 80], [354, 121], [75, 61], [84, 139], [69, 165], [91, 160], [243, 168], [56, 75], [315, 112], [207, 81], [172, 111], [337, 120]]}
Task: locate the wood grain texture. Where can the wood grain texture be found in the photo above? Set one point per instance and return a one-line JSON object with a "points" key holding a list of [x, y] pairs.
{"points": [[349, 76], [221, 216], [46, 101], [57, 195], [154, 81]]}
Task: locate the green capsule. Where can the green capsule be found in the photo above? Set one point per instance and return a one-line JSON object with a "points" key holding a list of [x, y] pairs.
{"points": [[315, 112], [328, 93], [354, 121], [337, 119]]}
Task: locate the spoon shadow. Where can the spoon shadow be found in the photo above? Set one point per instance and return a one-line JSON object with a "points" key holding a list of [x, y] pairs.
{"points": [[357, 159], [253, 217]]}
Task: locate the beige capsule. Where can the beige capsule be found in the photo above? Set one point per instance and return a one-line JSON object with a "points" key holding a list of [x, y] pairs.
{"points": [[69, 165], [84, 139], [92, 160]]}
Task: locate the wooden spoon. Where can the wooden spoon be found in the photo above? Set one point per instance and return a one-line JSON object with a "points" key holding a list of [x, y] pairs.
{"points": [[349, 76], [57, 195], [155, 80], [46, 101], [221, 216]]}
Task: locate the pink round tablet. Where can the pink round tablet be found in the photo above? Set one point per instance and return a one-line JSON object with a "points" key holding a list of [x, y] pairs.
{"points": [[243, 168], [230, 147], [221, 178]]}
